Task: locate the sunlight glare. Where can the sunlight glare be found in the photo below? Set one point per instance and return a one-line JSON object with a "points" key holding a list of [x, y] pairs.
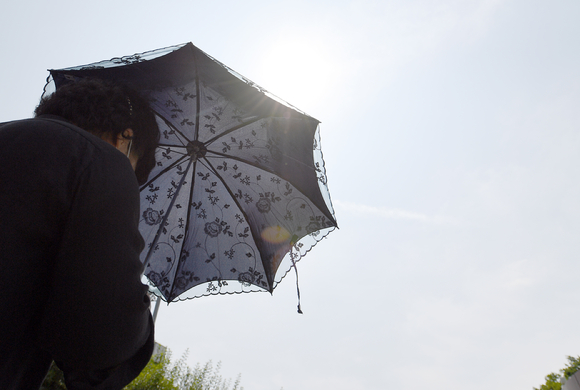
{"points": [[298, 70]]}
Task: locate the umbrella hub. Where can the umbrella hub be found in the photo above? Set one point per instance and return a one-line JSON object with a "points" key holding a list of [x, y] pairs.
{"points": [[196, 150]]}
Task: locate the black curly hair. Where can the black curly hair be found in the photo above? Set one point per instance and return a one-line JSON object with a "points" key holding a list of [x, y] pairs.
{"points": [[107, 110]]}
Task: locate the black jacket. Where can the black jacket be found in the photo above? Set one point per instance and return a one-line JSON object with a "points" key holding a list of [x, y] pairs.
{"points": [[70, 288]]}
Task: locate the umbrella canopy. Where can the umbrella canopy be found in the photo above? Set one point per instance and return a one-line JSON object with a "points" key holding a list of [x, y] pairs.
{"points": [[239, 191]]}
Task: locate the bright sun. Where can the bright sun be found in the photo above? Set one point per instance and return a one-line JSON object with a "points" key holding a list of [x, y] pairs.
{"points": [[299, 71]]}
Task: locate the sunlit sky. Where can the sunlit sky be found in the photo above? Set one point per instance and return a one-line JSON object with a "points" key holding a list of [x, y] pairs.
{"points": [[450, 131]]}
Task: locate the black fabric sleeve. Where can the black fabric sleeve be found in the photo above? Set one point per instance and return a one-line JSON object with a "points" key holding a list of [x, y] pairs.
{"points": [[97, 324], [115, 377]]}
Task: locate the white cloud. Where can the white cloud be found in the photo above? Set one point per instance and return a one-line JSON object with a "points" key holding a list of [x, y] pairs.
{"points": [[383, 212]]}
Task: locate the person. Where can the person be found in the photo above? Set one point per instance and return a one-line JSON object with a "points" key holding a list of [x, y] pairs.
{"points": [[70, 272]]}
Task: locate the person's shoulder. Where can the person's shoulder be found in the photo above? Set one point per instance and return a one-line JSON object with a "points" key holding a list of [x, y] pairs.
{"points": [[43, 121], [49, 126], [53, 130], [59, 142]]}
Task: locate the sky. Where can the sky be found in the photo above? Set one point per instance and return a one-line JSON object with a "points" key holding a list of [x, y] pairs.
{"points": [[450, 131]]}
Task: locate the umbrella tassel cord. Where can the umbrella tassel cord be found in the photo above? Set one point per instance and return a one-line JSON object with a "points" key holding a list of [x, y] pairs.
{"points": [[297, 286]]}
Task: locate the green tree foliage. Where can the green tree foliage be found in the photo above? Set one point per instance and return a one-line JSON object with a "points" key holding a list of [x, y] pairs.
{"points": [[553, 379], [552, 383], [161, 374], [155, 376], [572, 366], [54, 379]]}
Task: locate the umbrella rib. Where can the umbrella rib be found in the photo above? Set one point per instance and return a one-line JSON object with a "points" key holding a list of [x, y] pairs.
{"points": [[186, 224], [173, 146], [170, 125], [198, 98], [233, 196], [178, 161], [265, 169], [168, 211], [226, 132], [229, 156]]}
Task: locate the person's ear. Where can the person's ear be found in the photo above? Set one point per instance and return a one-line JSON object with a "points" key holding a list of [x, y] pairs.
{"points": [[123, 137]]}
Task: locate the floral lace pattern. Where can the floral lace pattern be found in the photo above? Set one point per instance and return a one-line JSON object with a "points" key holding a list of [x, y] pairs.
{"points": [[239, 182]]}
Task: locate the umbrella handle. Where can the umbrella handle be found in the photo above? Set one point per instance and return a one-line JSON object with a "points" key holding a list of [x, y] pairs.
{"points": [[156, 310]]}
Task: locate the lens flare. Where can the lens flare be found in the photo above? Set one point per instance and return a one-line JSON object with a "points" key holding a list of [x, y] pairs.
{"points": [[275, 234]]}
